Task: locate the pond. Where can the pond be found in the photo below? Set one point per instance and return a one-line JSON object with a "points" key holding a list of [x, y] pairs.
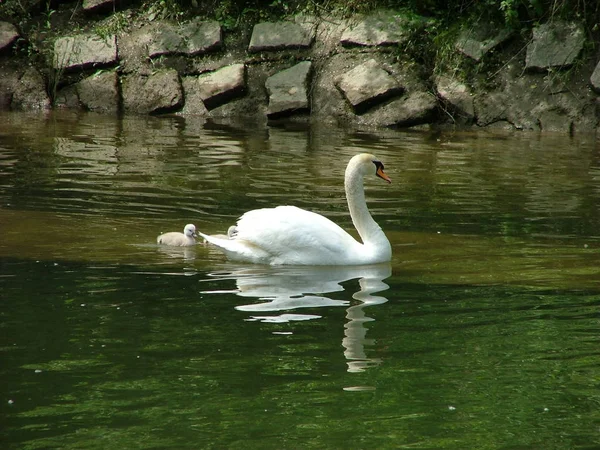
{"points": [[482, 332]]}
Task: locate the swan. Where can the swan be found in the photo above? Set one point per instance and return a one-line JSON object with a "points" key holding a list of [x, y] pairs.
{"points": [[290, 235], [177, 239]]}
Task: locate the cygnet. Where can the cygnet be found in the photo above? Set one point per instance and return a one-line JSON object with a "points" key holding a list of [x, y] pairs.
{"points": [[177, 239]]}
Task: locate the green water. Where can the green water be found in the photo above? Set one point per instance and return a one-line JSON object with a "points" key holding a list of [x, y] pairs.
{"points": [[483, 332]]}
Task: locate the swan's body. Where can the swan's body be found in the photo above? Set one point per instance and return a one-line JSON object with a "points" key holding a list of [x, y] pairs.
{"points": [[290, 235], [177, 239]]}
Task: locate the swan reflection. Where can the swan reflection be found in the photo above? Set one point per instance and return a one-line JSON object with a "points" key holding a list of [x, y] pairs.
{"points": [[290, 288]]}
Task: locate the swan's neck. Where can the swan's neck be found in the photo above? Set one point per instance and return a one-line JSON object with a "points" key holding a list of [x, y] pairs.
{"points": [[369, 231]]}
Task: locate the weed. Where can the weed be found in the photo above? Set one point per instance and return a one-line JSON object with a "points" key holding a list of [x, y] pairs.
{"points": [[114, 24]]}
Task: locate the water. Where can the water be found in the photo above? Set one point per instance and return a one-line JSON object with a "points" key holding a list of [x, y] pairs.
{"points": [[481, 333]]}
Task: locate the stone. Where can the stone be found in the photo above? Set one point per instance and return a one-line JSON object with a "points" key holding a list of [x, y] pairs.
{"points": [[457, 95], [193, 38], [532, 101], [477, 42], [7, 82], [418, 107], [280, 35], [491, 108], [381, 28], [564, 112], [554, 45], [220, 86], [595, 78], [94, 6], [84, 51], [288, 90], [157, 93], [553, 119], [367, 84], [30, 92], [247, 106], [8, 35], [67, 98], [99, 92], [133, 50], [414, 108], [202, 37], [194, 104], [166, 41], [328, 103]]}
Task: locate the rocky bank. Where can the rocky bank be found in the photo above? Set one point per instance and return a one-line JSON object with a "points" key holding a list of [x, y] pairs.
{"points": [[361, 71]]}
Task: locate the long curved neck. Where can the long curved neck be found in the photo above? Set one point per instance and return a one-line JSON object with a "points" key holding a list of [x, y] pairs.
{"points": [[367, 228]]}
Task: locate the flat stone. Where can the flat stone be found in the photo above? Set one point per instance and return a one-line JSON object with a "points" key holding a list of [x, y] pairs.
{"points": [[382, 28], [288, 89], [595, 78], [8, 35], [193, 38], [280, 35], [457, 95], [99, 92], [555, 44], [84, 51], [477, 42], [202, 37], [159, 92], [218, 87], [367, 84], [98, 5], [166, 41]]}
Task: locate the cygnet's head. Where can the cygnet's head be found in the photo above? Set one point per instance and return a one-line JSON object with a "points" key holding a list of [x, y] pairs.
{"points": [[190, 230]]}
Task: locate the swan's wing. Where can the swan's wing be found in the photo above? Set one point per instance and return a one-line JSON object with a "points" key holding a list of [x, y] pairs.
{"points": [[295, 235], [287, 235]]}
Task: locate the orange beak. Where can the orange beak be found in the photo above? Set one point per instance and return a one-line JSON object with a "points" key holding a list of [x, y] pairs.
{"points": [[381, 174]]}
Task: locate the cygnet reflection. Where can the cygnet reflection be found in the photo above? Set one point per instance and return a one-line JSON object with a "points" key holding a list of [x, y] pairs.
{"points": [[185, 253], [289, 288]]}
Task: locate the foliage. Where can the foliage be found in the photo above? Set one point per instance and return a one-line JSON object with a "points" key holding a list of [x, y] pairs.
{"points": [[164, 9], [113, 24], [233, 13], [11, 9]]}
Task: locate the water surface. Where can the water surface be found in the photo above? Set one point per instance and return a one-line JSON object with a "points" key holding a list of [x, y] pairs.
{"points": [[481, 333]]}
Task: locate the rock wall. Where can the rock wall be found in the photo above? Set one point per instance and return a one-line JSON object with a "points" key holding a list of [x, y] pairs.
{"points": [[357, 71]]}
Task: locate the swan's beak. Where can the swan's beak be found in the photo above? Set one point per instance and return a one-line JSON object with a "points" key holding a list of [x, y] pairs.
{"points": [[381, 174]]}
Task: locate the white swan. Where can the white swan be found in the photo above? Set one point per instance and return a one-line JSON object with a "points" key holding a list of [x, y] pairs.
{"points": [[177, 239], [290, 235]]}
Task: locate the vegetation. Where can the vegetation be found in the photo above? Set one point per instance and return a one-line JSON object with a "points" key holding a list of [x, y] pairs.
{"points": [[234, 13], [514, 13]]}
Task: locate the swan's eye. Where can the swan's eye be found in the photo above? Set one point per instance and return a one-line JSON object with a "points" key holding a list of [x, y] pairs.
{"points": [[378, 165]]}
